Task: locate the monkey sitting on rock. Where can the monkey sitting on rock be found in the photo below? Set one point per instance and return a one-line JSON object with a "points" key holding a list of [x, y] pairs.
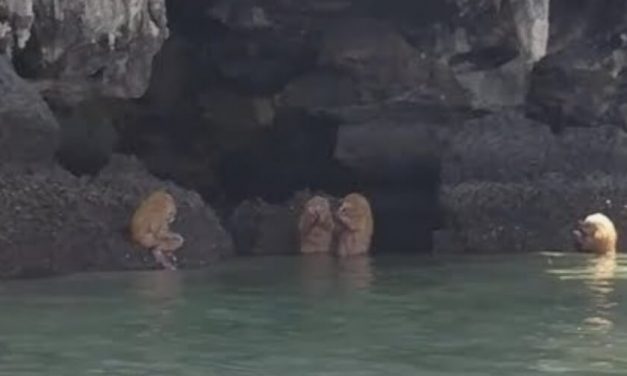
{"points": [[150, 227]]}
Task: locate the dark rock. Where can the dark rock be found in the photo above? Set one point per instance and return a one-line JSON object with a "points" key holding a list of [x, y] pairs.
{"points": [[28, 130], [296, 153], [382, 152], [383, 93], [260, 228], [55, 223], [118, 40], [175, 77], [528, 216], [398, 142], [320, 91], [239, 14], [581, 81], [88, 137], [361, 61], [16, 20], [500, 147], [235, 113], [502, 86], [507, 147], [509, 184], [375, 55], [260, 62], [579, 152], [575, 86]]}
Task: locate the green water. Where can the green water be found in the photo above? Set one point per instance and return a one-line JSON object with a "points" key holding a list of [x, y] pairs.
{"points": [[535, 314]]}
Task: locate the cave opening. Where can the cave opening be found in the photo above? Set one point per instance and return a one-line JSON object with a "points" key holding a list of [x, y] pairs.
{"points": [[231, 161], [225, 137], [295, 154]]}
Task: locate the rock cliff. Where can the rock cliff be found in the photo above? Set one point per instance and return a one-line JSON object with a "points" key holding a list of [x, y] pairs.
{"points": [[485, 125]]}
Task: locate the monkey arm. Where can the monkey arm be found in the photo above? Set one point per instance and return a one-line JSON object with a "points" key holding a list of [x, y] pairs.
{"points": [[347, 224], [307, 222]]}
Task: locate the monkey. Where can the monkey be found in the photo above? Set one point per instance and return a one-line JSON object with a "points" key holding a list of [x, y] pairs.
{"points": [[316, 226], [150, 227], [596, 234], [356, 225]]}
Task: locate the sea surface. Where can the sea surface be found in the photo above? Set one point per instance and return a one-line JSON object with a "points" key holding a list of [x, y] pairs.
{"points": [[535, 314]]}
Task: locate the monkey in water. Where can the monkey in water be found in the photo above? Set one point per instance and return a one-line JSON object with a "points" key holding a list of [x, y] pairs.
{"points": [[316, 226], [356, 225], [596, 234], [150, 227]]}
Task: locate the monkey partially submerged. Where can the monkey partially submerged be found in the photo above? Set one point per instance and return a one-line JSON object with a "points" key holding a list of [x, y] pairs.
{"points": [[356, 225], [315, 226], [596, 234], [150, 227]]}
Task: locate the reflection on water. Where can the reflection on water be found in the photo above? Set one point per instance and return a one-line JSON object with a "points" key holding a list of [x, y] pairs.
{"points": [[598, 274], [161, 286], [601, 285], [313, 316], [321, 272], [356, 272]]}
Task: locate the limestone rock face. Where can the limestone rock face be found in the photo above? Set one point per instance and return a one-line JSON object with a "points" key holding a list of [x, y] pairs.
{"points": [[480, 103], [29, 132], [524, 188], [104, 46], [16, 20]]}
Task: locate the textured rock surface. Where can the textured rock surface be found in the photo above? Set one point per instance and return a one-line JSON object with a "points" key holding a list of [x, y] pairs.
{"points": [[395, 142], [531, 18], [506, 147], [581, 80], [28, 130], [266, 98], [105, 46], [418, 91], [530, 216], [16, 20], [511, 185], [53, 222], [237, 66]]}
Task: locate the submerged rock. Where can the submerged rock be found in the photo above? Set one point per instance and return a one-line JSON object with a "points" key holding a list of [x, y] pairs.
{"points": [[53, 222]]}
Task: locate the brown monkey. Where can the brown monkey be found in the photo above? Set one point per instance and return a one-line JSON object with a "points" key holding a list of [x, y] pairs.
{"points": [[315, 226], [150, 227], [597, 234], [356, 225]]}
